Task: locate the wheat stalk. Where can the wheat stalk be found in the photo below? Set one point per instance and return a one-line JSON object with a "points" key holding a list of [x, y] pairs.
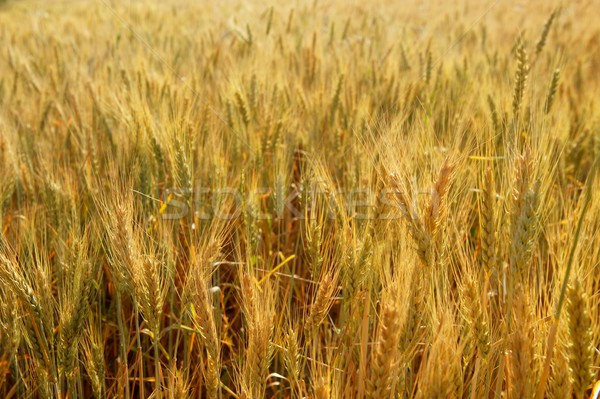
{"points": [[552, 91], [521, 340], [385, 359], [520, 78], [580, 348], [544, 36]]}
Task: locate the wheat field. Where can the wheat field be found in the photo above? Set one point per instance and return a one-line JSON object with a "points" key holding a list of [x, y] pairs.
{"points": [[304, 199]]}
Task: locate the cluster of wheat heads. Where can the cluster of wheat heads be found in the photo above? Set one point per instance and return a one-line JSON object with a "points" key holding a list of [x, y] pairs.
{"points": [[314, 200]]}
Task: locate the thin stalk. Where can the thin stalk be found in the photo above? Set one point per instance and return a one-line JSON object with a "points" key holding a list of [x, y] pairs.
{"points": [[157, 379], [72, 387], [171, 311], [79, 386], [139, 343], [122, 341], [18, 376], [475, 376]]}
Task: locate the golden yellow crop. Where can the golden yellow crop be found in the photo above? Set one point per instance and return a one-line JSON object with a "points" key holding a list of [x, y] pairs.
{"points": [[306, 199]]}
